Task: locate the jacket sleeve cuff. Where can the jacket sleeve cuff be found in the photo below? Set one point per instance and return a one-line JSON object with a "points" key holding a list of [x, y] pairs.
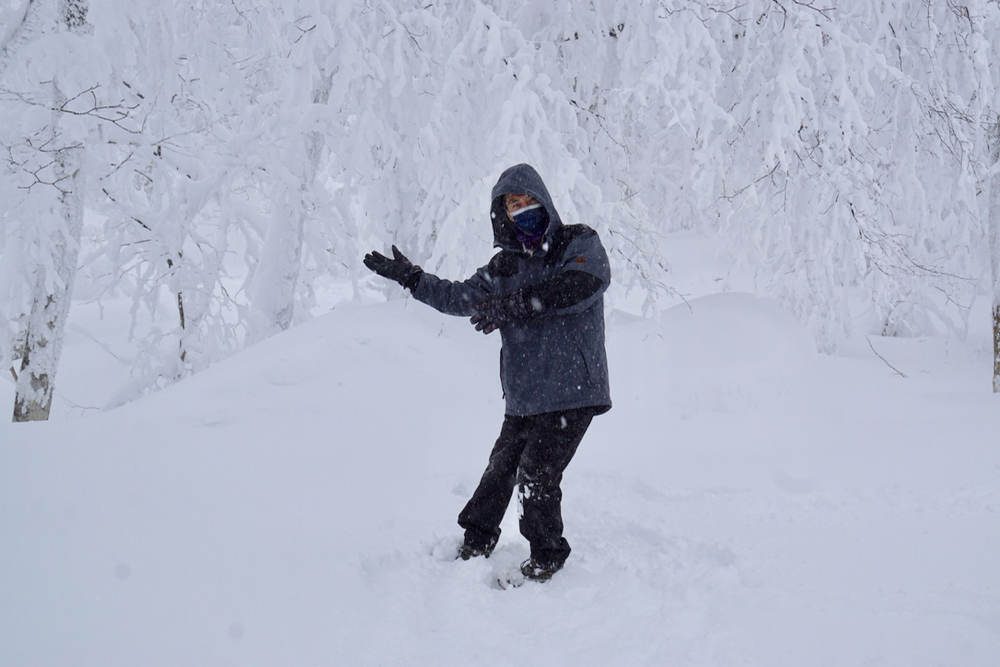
{"points": [[413, 279]]}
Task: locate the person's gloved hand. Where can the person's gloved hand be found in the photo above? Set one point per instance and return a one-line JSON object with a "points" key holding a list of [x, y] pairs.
{"points": [[398, 268], [498, 309]]}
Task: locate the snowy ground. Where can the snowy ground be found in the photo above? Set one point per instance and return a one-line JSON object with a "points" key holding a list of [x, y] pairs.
{"points": [[746, 502]]}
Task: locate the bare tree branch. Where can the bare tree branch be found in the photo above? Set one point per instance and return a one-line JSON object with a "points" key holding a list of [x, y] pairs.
{"points": [[883, 358], [116, 114]]}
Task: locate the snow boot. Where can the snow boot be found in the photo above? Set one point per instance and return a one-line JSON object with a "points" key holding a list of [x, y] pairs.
{"points": [[539, 570], [476, 548]]}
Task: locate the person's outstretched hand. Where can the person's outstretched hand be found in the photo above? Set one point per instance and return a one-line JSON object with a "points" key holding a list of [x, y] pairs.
{"points": [[398, 268]]}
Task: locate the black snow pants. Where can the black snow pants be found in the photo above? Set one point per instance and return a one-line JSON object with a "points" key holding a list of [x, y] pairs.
{"points": [[531, 452]]}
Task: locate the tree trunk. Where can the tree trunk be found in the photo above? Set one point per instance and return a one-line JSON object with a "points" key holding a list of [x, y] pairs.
{"points": [[996, 343], [273, 287], [52, 294], [60, 244], [20, 31], [994, 239], [993, 224]]}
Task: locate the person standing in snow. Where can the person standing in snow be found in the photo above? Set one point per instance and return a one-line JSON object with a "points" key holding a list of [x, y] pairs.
{"points": [[544, 292]]}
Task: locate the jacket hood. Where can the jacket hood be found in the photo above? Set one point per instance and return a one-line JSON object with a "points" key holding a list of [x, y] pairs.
{"points": [[521, 179]]}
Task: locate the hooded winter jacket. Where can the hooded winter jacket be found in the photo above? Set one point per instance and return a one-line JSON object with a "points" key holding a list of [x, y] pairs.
{"points": [[555, 360]]}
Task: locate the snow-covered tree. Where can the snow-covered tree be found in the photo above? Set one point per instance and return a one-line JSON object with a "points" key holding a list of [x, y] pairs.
{"points": [[159, 186], [834, 149], [949, 51], [237, 151], [51, 76], [994, 241]]}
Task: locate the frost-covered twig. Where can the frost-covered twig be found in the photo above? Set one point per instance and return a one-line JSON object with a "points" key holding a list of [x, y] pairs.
{"points": [[242, 15], [883, 358], [115, 114], [740, 191], [717, 8], [601, 124], [36, 170], [822, 11]]}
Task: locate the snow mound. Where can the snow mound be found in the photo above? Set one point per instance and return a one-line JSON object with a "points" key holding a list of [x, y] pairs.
{"points": [[717, 353], [746, 502]]}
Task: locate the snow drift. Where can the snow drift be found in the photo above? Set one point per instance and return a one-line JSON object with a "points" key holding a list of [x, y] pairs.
{"points": [[746, 502]]}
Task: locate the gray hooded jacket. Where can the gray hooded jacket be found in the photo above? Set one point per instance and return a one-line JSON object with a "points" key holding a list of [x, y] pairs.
{"points": [[555, 361]]}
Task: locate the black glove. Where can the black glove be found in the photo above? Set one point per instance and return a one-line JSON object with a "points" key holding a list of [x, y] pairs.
{"points": [[398, 268], [499, 309]]}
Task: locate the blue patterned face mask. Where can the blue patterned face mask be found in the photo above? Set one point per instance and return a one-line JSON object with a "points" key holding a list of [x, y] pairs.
{"points": [[531, 220]]}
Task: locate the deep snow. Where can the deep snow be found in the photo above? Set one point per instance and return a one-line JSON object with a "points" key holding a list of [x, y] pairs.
{"points": [[746, 502]]}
